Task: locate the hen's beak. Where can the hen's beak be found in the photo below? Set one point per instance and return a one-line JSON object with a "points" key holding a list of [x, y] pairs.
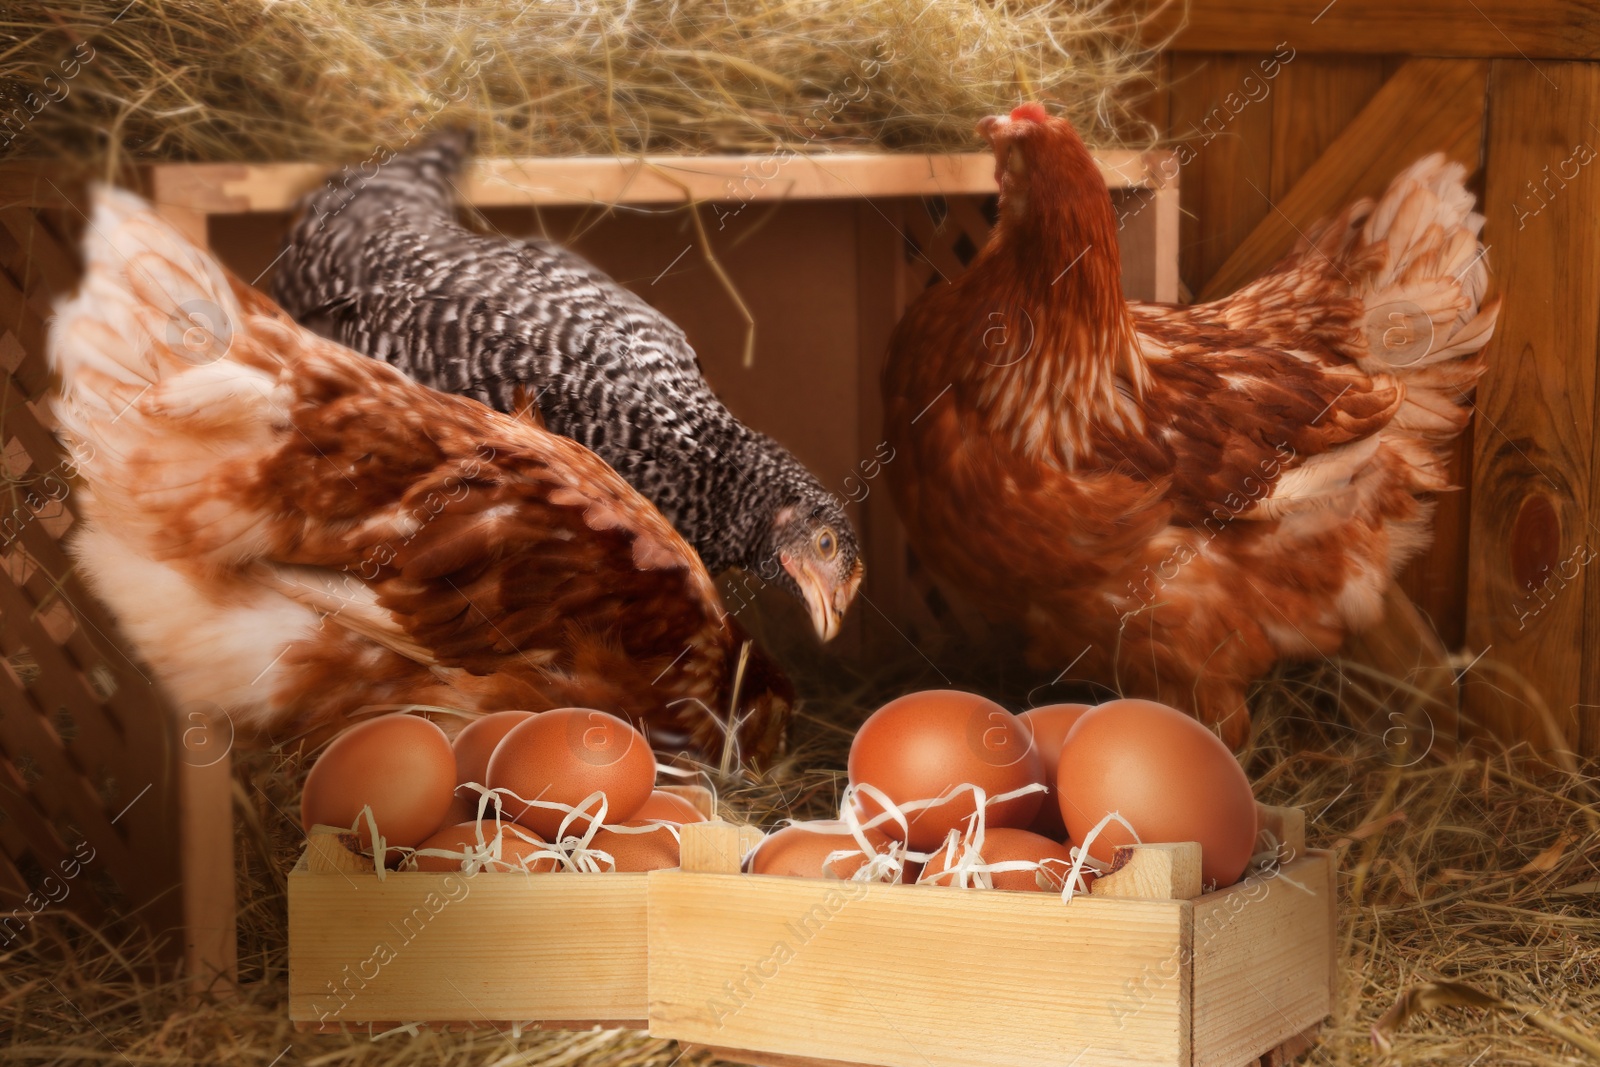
{"points": [[825, 604]]}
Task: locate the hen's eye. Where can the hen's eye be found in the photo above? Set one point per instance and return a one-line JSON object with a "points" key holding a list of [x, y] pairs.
{"points": [[826, 546]]}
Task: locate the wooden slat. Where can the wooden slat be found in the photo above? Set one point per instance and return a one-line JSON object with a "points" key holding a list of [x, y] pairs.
{"points": [[44, 184], [1260, 949], [1390, 133], [1534, 473], [1524, 30], [1315, 99], [40, 252], [218, 189], [18, 318], [917, 976], [1227, 153], [883, 281], [564, 946], [717, 847], [1152, 872]]}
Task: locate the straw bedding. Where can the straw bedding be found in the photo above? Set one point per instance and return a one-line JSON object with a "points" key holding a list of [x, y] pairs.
{"points": [[1482, 869], [226, 80]]}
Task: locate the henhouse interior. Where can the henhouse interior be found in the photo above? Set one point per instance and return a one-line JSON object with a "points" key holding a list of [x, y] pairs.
{"points": [[896, 533]]}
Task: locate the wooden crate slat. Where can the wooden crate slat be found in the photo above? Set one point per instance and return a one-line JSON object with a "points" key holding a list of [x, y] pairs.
{"points": [[913, 976], [1315, 98], [567, 946], [1533, 600], [1513, 29], [228, 188], [1389, 134], [1258, 947], [1229, 157]]}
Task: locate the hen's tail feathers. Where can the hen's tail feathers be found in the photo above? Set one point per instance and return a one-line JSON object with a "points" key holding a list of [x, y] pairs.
{"points": [[419, 180], [161, 389], [1416, 262]]}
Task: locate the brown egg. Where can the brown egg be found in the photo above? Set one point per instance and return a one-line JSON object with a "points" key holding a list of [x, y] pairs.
{"points": [[638, 852], [477, 740], [917, 747], [799, 851], [473, 747], [1003, 845], [517, 845], [400, 765], [565, 755], [1049, 726], [668, 807], [1169, 776]]}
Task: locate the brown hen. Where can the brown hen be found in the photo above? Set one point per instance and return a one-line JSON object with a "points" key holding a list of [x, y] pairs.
{"points": [[294, 535], [1170, 499]]}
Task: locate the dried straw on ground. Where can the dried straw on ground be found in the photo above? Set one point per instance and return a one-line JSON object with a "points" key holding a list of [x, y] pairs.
{"points": [[1482, 869], [224, 80]]}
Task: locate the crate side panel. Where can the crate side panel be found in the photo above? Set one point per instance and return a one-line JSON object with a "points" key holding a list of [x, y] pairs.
{"points": [[455, 947], [1263, 952], [916, 976]]}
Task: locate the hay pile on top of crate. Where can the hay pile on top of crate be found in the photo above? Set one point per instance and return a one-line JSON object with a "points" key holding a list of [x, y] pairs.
{"points": [[235, 80]]}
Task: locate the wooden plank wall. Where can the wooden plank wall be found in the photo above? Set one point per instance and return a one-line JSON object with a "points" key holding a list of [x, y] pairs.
{"points": [[1291, 108]]}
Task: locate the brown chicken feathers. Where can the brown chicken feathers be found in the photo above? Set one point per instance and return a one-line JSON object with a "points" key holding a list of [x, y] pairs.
{"points": [[1169, 499], [294, 534]]}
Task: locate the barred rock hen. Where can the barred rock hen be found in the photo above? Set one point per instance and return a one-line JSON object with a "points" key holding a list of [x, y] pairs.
{"points": [[292, 533], [380, 264], [1173, 498]]}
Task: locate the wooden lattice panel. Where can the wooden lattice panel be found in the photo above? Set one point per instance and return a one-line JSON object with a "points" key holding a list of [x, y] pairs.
{"points": [[89, 766]]}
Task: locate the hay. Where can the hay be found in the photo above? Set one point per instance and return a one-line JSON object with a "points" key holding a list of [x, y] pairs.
{"points": [[226, 80], [1480, 869]]}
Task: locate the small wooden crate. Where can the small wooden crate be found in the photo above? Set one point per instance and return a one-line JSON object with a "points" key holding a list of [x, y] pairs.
{"points": [[454, 950], [784, 971]]}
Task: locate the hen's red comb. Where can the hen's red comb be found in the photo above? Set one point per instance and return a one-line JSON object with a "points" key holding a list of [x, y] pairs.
{"points": [[1030, 113]]}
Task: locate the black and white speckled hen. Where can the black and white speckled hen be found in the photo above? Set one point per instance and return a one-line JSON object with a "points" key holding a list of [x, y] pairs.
{"points": [[381, 264]]}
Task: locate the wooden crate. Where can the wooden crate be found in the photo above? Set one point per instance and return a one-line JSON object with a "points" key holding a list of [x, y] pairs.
{"points": [[1147, 970]]}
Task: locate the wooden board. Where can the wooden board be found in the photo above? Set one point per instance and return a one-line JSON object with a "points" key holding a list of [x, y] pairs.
{"points": [[1260, 961], [1523, 30], [1533, 602], [1316, 98], [227, 188], [1390, 133], [1224, 122], [916, 976], [410, 948]]}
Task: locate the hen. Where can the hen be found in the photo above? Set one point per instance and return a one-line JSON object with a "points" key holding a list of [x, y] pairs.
{"points": [[380, 264], [292, 533], [1173, 498]]}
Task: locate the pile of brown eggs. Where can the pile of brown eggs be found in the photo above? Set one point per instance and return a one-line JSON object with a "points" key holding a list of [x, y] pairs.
{"points": [[570, 789], [1047, 780]]}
